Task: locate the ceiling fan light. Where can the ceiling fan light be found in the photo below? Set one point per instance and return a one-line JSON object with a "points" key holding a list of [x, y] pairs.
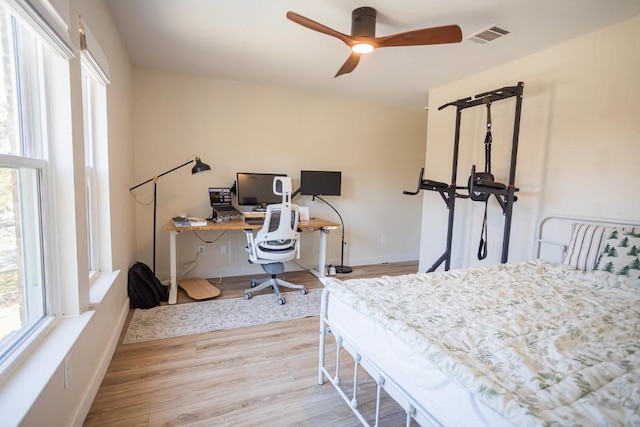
{"points": [[362, 48]]}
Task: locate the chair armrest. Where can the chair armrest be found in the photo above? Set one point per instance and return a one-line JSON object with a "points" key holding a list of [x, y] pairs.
{"points": [[251, 246]]}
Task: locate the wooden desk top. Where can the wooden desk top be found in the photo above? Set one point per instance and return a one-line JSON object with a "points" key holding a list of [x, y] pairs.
{"points": [[240, 224]]}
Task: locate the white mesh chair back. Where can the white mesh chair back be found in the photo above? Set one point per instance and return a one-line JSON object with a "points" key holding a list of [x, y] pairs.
{"points": [[278, 239]]}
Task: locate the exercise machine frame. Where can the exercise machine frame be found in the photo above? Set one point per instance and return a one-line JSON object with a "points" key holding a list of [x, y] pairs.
{"points": [[504, 194]]}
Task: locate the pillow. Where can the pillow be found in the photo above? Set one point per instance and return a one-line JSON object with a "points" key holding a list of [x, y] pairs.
{"points": [[584, 246], [621, 252]]}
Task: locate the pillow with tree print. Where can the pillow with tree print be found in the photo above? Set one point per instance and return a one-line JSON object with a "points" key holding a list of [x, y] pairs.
{"points": [[621, 252]]}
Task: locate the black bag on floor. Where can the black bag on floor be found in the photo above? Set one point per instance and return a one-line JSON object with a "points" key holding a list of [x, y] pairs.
{"points": [[145, 290]]}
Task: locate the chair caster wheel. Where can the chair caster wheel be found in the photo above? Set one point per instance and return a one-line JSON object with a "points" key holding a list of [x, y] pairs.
{"points": [[304, 291], [281, 301], [247, 295], [253, 284]]}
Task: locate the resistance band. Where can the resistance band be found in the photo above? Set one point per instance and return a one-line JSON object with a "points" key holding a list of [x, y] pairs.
{"points": [[482, 247]]}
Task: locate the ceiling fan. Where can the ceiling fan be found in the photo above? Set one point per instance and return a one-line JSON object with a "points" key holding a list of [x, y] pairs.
{"points": [[363, 35]]}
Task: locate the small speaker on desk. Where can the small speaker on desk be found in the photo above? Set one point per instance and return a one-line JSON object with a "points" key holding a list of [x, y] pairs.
{"points": [[304, 213]]}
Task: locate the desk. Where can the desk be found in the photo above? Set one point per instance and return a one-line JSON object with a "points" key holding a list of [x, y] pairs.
{"points": [[312, 224]]}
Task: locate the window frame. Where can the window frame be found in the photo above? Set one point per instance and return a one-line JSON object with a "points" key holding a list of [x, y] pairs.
{"points": [[95, 76], [91, 111], [37, 68]]}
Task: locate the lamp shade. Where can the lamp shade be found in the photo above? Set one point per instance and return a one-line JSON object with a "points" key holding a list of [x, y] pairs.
{"points": [[200, 167]]}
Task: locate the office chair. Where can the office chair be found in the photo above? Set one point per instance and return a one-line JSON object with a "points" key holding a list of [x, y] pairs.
{"points": [[277, 241]]}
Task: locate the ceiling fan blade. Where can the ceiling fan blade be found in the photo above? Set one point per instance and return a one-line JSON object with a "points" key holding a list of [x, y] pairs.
{"points": [[426, 36], [316, 26], [349, 65]]}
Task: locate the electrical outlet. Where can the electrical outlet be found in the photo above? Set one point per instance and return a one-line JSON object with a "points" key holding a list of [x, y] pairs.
{"points": [[383, 240], [223, 249], [201, 249]]}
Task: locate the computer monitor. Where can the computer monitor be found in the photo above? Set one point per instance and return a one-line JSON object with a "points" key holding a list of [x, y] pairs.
{"points": [[256, 189], [320, 183]]}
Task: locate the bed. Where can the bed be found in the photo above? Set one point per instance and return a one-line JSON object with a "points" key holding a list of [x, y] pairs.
{"points": [[541, 342]]}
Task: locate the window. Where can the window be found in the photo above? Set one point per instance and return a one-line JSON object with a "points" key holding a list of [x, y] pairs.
{"points": [[92, 112], [95, 77], [27, 71]]}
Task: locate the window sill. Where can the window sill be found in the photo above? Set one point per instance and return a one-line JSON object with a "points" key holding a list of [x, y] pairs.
{"points": [[100, 286], [31, 371], [27, 380]]}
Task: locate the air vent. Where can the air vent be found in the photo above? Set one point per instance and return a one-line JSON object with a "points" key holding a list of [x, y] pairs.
{"points": [[489, 35]]}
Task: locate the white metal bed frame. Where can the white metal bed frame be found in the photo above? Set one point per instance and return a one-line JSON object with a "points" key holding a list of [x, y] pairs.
{"points": [[413, 408], [540, 239]]}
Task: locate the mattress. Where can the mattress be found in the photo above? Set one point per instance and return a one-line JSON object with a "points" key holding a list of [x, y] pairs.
{"points": [[527, 344], [442, 398]]}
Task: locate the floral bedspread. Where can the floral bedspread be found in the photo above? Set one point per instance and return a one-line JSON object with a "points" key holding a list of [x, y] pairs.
{"points": [[540, 343]]}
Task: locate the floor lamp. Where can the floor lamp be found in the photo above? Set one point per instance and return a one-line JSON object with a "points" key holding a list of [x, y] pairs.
{"points": [[339, 268], [197, 168]]}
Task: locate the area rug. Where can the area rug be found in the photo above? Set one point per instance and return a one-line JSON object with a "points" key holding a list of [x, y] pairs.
{"points": [[168, 321]]}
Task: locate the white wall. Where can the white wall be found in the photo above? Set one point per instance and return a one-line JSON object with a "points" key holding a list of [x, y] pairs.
{"points": [[238, 127], [579, 146]]}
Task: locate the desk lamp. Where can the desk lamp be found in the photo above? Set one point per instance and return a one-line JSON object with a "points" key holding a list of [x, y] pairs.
{"points": [[339, 268], [197, 168]]}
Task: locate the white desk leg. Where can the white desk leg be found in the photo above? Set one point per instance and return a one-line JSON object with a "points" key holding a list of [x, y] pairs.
{"points": [[173, 284], [322, 253]]}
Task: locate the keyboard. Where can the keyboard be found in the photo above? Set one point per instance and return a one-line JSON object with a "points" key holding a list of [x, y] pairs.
{"points": [[254, 221], [226, 212]]}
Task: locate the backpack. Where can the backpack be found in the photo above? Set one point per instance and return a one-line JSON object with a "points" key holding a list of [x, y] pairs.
{"points": [[144, 288]]}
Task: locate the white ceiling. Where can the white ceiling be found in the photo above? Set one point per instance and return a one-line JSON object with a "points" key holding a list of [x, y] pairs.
{"points": [[253, 41]]}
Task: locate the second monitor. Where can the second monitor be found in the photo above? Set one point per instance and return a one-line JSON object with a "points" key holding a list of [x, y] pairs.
{"points": [[320, 183]]}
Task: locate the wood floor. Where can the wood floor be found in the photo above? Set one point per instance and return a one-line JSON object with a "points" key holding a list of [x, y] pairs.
{"points": [[254, 376]]}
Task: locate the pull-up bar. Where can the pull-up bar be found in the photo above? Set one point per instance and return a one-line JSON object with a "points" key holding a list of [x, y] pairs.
{"points": [[483, 98], [504, 193]]}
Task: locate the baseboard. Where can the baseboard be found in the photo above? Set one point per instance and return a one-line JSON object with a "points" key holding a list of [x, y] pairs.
{"points": [[382, 259], [250, 269], [85, 406]]}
